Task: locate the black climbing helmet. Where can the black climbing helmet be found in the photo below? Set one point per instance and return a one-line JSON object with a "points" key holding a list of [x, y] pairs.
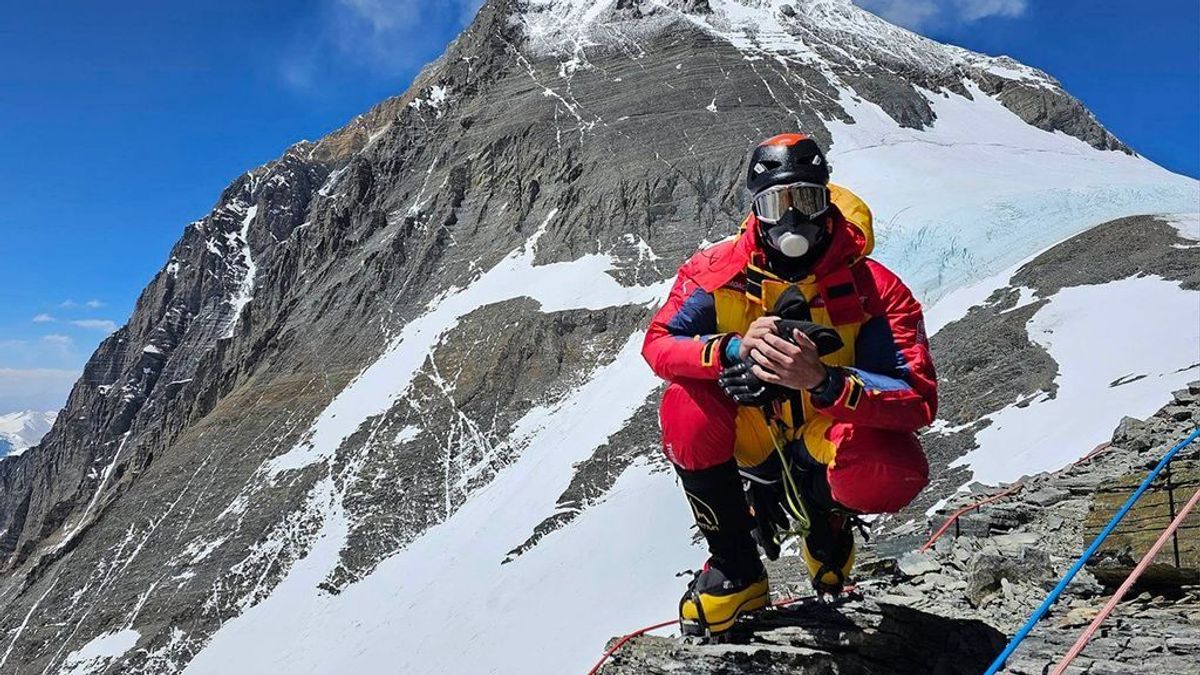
{"points": [[786, 159]]}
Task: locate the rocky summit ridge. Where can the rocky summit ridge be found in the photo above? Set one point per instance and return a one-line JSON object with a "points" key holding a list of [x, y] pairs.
{"points": [[404, 356]]}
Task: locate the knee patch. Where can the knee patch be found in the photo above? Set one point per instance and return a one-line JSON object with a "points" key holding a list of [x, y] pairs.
{"points": [[877, 471], [697, 425]]}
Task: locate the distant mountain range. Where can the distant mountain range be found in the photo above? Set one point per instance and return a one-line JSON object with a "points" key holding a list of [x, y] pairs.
{"points": [[22, 430]]}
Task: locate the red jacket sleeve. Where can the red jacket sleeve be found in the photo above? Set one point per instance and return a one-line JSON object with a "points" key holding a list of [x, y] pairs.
{"points": [[893, 384], [682, 342]]}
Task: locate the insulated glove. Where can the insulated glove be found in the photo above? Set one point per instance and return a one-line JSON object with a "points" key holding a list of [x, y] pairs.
{"points": [[827, 339], [741, 384], [794, 313]]}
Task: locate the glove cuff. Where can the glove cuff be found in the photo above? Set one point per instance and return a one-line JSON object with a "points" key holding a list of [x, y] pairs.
{"points": [[731, 350], [825, 393]]}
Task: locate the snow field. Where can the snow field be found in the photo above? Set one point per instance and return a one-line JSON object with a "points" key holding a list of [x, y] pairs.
{"points": [[1102, 337], [560, 601], [980, 190]]}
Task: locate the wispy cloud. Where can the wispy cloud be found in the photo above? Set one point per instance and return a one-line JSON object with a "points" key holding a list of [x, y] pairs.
{"points": [[47, 351], [381, 36], [973, 10], [34, 388], [924, 14], [55, 347], [94, 304], [68, 304], [44, 318], [96, 324]]}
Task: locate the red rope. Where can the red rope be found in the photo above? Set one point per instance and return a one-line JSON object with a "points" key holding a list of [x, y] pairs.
{"points": [[642, 631], [942, 530], [1095, 451], [1109, 606], [954, 516], [1016, 487], [620, 643]]}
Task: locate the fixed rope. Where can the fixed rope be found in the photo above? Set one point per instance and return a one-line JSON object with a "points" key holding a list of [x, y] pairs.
{"points": [[1109, 606], [1012, 489], [663, 624], [1050, 599], [1023, 633]]}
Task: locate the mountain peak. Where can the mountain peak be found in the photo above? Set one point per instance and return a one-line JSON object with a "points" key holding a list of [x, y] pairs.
{"points": [[22, 430], [405, 355], [831, 47]]}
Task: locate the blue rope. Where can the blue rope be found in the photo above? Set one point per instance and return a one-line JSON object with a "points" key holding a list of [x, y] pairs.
{"points": [[1062, 585]]}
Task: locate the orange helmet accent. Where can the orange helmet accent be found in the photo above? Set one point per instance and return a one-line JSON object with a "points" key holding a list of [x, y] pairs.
{"points": [[784, 139]]}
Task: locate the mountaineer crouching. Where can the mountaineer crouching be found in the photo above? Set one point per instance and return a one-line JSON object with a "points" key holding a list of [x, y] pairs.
{"points": [[798, 365]]}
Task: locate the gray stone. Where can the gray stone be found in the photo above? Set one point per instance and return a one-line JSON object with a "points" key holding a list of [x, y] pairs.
{"points": [[1184, 645], [1046, 496], [915, 564]]}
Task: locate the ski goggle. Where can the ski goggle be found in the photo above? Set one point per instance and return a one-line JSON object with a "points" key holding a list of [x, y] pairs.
{"points": [[809, 200]]}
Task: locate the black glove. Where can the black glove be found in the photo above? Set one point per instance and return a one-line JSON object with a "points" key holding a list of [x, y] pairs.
{"points": [[827, 339], [792, 309], [741, 384]]}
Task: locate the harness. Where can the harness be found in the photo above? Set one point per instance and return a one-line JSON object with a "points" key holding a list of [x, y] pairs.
{"points": [[834, 301]]}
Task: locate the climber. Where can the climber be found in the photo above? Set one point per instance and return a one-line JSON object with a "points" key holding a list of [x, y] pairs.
{"points": [[799, 364]]}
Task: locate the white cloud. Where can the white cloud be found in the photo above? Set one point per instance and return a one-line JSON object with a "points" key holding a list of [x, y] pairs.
{"points": [[96, 324], [94, 304], [924, 14], [54, 348], [68, 304], [48, 351], [44, 318], [34, 388], [386, 36], [973, 10]]}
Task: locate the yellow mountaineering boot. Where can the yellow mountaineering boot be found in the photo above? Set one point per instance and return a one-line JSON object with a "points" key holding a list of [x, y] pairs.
{"points": [[829, 552], [713, 602], [733, 580]]}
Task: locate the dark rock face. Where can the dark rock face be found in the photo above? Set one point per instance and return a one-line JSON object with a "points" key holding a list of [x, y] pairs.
{"points": [[856, 637], [1179, 562], [155, 504]]}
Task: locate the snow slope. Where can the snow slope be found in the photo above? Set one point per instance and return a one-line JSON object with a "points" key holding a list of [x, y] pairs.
{"points": [[1103, 375], [411, 613], [446, 604], [20, 431], [969, 195]]}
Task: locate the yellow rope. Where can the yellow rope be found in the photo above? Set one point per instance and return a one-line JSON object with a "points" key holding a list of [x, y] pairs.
{"points": [[791, 492]]}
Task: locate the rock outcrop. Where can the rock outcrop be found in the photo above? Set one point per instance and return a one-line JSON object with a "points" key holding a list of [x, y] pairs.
{"points": [[981, 580]]}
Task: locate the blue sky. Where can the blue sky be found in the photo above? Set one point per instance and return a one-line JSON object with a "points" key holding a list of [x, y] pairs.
{"points": [[121, 122]]}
